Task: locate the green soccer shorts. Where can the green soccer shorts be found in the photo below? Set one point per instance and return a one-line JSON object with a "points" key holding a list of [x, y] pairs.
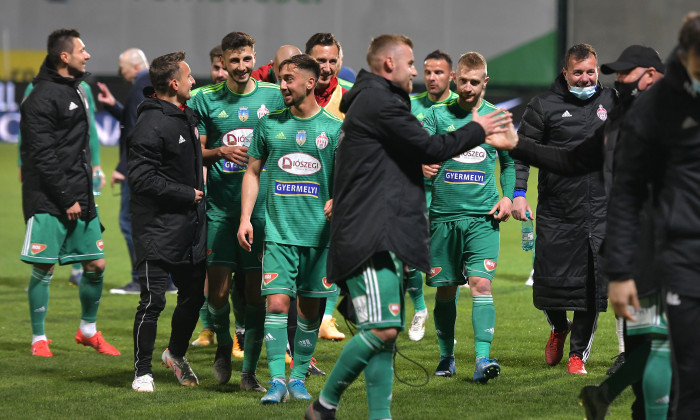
{"points": [[295, 270], [49, 240], [377, 292], [462, 249], [650, 319], [223, 247]]}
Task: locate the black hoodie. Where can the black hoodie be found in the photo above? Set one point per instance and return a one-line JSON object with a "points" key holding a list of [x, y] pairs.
{"points": [[378, 196], [659, 144], [55, 149], [165, 167]]}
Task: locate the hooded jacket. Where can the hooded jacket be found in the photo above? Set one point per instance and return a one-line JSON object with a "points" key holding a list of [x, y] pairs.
{"points": [[570, 210], [55, 148], [660, 144], [165, 167], [378, 196]]}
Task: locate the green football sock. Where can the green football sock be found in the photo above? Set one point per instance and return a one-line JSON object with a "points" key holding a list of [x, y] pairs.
{"points": [[352, 361], [276, 343], [379, 381], [304, 345], [656, 381], [483, 322], [445, 315], [627, 374], [77, 266], [331, 302], [90, 292], [38, 299], [239, 308], [415, 290], [220, 321], [204, 315], [254, 333]]}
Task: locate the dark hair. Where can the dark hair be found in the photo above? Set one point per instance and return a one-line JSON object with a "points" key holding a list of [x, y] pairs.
{"points": [[59, 41], [379, 43], [689, 37], [579, 52], [164, 69], [439, 55], [325, 39], [215, 52], [236, 40], [303, 62]]}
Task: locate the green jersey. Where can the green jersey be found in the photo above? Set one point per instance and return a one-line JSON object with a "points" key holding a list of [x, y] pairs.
{"points": [[300, 156], [228, 119], [465, 186]]}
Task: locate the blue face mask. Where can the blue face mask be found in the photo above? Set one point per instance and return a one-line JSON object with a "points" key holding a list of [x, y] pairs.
{"points": [[582, 93]]}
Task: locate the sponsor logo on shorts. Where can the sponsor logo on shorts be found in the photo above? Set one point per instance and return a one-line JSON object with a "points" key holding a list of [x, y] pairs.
{"points": [[434, 271], [322, 141], [360, 304], [490, 265], [464, 177], [394, 308], [326, 283], [475, 155], [208, 251], [299, 188], [37, 248], [602, 113], [243, 113], [268, 277], [299, 164], [100, 245], [301, 137]]}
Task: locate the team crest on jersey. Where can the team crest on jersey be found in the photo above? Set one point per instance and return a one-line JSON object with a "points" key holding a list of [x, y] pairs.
{"points": [[490, 265], [394, 308], [326, 283], [243, 113], [301, 137], [434, 271], [268, 277], [322, 141], [262, 111], [37, 248], [602, 113], [100, 245]]}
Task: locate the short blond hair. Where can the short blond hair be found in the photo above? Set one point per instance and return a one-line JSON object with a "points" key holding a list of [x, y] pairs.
{"points": [[380, 43], [473, 60]]}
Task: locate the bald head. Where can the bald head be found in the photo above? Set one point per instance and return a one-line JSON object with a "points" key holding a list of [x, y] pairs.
{"points": [[284, 52], [131, 62]]}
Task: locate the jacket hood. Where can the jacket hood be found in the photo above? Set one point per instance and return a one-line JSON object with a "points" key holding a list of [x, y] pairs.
{"points": [[48, 72], [367, 80], [561, 87], [677, 76]]}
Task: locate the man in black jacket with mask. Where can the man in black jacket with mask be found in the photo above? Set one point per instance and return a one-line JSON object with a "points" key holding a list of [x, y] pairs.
{"points": [[379, 222], [660, 145], [167, 209]]}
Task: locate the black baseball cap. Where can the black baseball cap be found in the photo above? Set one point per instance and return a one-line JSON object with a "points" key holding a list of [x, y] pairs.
{"points": [[635, 56]]}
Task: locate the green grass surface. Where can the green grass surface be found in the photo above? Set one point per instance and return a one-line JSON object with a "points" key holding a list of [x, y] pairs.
{"points": [[79, 383]]}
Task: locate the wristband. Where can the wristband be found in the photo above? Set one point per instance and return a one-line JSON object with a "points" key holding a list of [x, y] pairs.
{"points": [[519, 192]]}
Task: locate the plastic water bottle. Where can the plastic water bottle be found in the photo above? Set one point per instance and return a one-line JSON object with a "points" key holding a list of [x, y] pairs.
{"points": [[97, 179], [527, 233]]}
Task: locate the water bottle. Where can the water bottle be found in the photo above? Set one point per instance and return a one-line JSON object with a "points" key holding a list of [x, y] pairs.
{"points": [[527, 233], [97, 179]]}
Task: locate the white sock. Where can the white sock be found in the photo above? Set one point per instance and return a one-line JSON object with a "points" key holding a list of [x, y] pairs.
{"points": [[88, 328], [619, 327], [423, 312], [36, 338]]}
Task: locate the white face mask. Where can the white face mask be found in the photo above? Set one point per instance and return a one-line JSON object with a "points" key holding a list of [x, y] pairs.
{"points": [[582, 93]]}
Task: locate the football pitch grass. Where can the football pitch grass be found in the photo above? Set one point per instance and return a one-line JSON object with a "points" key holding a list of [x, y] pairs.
{"points": [[79, 383]]}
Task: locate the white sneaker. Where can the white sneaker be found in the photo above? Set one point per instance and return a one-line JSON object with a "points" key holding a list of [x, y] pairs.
{"points": [[143, 383], [417, 330]]}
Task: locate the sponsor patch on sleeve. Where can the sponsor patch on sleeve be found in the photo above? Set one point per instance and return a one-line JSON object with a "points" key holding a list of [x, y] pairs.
{"points": [[490, 265]]}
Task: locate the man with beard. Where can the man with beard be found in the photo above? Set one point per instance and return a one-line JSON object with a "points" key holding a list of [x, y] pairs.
{"points": [[229, 112], [571, 210], [57, 200], [298, 143]]}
